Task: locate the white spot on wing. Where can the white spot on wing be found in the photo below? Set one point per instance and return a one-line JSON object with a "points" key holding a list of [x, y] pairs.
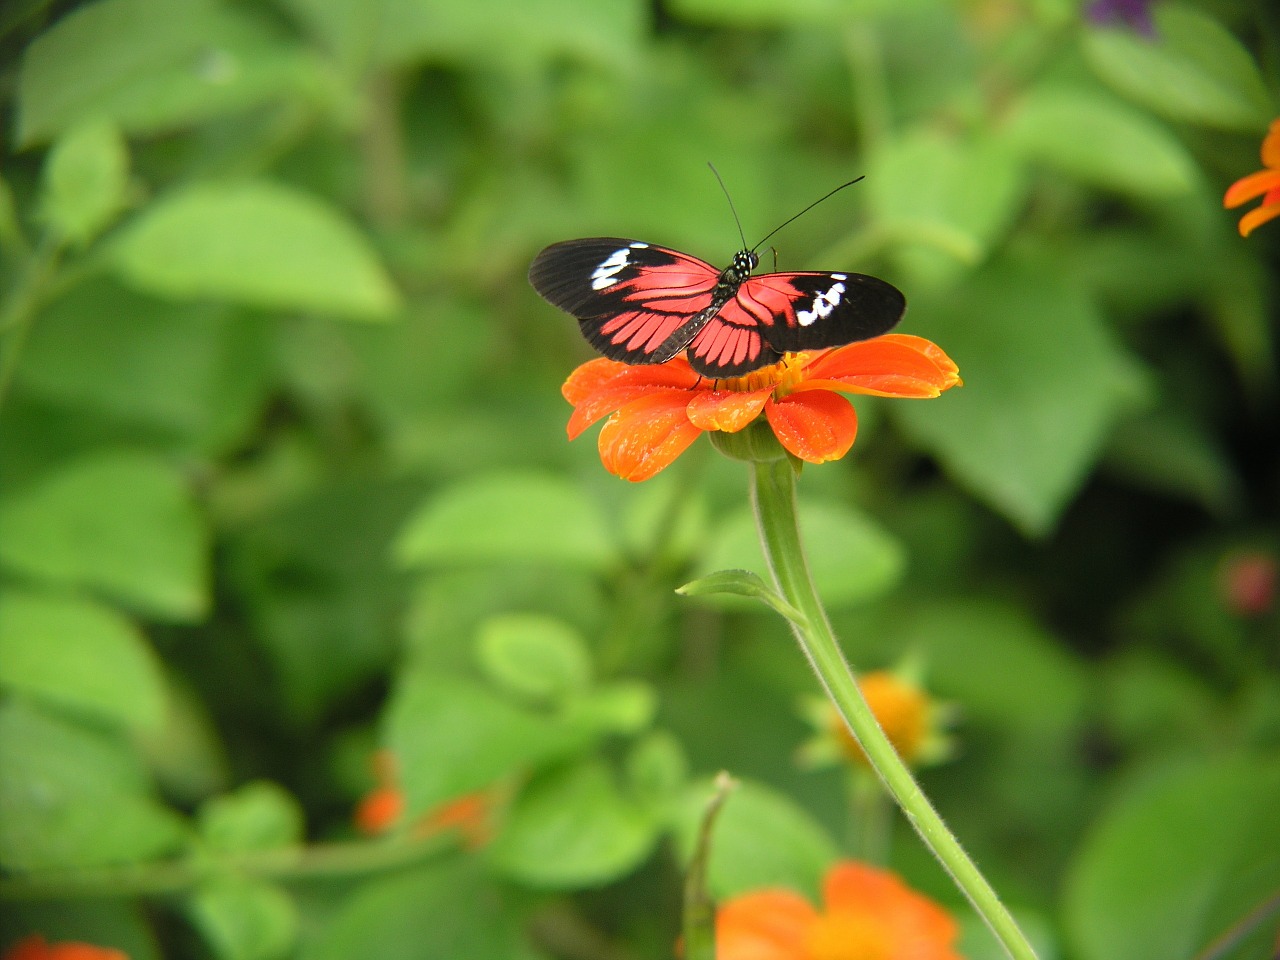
{"points": [[605, 275], [823, 303]]}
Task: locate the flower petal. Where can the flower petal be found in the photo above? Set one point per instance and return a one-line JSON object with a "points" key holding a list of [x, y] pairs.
{"points": [[768, 925], [601, 386], [646, 435], [816, 425], [727, 410], [1256, 218], [589, 377], [918, 926], [1254, 185], [595, 374], [1271, 146], [892, 365]]}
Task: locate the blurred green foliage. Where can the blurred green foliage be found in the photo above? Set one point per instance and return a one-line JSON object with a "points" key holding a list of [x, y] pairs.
{"points": [[283, 476]]}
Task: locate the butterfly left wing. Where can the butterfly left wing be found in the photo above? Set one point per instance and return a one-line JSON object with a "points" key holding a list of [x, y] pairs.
{"points": [[776, 313], [635, 302]]}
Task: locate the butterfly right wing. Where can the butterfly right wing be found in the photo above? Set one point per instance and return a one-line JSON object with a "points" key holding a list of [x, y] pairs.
{"points": [[635, 302]]}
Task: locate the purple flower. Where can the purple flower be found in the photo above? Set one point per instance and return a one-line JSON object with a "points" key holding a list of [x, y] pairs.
{"points": [[1134, 13]]}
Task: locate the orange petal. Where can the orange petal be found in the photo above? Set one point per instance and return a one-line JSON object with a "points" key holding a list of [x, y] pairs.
{"points": [[1254, 185], [35, 947], [920, 927], [727, 410], [601, 386], [816, 425], [768, 925], [596, 374], [892, 365], [379, 810], [589, 377], [615, 396], [1271, 146], [1256, 218], [646, 435]]}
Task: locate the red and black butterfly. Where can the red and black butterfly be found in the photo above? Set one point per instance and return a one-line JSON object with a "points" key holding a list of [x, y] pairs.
{"points": [[641, 303]]}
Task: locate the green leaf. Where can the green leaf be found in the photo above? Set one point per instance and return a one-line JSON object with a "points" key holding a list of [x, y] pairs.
{"points": [[258, 243], [1102, 142], [742, 583], [1175, 860], [1008, 671], [1194, 70], [446, 911], [507, 516], [624, 706], [72, 796], [656, 770], [1044, 383], [194, 370], [1169, 453], [452, 737], [852, 559], [79, 654], [244, 919], [85, 178], [259, 816], [151, 65], [762, 13], [120, 522], [571, 829], [761, 839], [534, 656], [945, 203], [382, 32]]}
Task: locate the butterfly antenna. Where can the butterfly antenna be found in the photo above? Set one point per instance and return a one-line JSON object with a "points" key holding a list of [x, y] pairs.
{"points": [[731, 207], [802, 212]]}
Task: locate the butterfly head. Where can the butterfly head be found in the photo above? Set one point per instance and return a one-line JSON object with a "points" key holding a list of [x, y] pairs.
{"points": [[744, 261]]}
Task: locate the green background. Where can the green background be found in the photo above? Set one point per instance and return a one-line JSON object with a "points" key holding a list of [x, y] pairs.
{"points": [[284, 477]]}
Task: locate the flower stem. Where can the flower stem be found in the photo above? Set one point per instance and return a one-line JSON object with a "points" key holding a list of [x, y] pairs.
{"points": [[699, 926], [286, 864], [774, 501]]}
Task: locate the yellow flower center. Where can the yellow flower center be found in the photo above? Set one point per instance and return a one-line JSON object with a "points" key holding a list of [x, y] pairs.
{"points": [[848, 936], [782, 376]]}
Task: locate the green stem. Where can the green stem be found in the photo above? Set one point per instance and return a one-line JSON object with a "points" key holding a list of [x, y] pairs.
{"points": [[871, 828], [773, 497], [699, 924], [321, 860]]}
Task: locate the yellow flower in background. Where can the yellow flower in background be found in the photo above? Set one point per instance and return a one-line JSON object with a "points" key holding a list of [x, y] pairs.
{"points": [[912, 720]]}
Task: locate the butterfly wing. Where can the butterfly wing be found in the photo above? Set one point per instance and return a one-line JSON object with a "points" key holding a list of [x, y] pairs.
{"points": [[774, 313], [634, 301]]}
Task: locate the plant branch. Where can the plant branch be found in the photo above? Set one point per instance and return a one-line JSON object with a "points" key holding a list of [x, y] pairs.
{"points": [[773, 498]]}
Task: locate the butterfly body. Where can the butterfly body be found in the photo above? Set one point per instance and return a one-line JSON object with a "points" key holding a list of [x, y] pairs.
{"points": [[642, 303]]}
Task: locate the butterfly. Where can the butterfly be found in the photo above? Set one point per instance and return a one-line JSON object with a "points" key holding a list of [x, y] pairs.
{"points": [[643, 303]]}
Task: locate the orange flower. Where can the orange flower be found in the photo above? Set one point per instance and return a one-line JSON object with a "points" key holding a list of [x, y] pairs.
{"points": [[870, 915], [382, 809], [902, 709], [469, 815], [1264, 183], [379, 810], [35, 947], [658, 411]]}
